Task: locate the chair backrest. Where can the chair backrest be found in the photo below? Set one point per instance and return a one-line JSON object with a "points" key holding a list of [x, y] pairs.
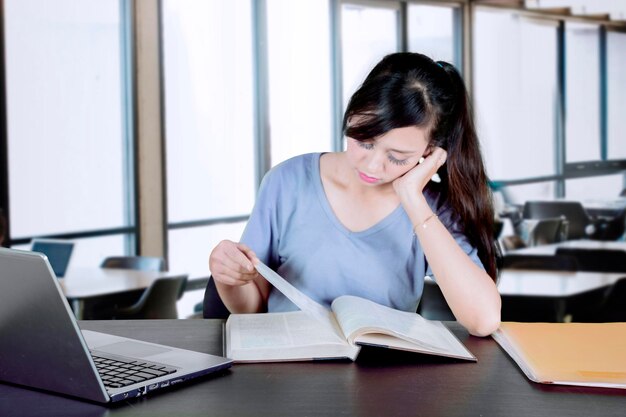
{"points": [[547, 231], [609, 228], [140, 263], [573, 211], [598, 260], [213, 307], [614, 307], [540, 262], [157, 302], [512, 242]]}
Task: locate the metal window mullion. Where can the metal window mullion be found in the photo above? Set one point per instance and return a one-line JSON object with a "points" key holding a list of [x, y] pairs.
{"points": [[403, 27], [561, 110], [336, 73], [262, 140], [129, 133], [603, 93], [462, 30], [4, 136]]}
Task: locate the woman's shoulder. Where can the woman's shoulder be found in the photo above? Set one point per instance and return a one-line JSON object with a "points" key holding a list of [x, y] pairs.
{"points": [[294, 170], [297, 163], [441, 205]]}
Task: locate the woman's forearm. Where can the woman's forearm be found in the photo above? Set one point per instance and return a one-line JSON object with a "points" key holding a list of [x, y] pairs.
{"points": [[469, 290]]}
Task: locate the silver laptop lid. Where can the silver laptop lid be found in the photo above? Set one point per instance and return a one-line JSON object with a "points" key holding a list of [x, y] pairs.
{"points": [[41, 343]]}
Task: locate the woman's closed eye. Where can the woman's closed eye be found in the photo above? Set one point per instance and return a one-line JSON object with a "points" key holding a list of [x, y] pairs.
{"points": [[370, 145], [396, 161]]}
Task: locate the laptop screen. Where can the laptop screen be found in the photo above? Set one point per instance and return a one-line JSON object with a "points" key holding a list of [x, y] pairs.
{"points": [[58, 253]]}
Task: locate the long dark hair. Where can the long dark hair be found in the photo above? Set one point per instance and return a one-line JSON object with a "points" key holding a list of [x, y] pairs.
{"points": [[410, 89]]}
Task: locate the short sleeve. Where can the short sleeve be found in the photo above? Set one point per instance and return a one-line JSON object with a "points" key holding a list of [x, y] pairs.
{"points": [[262, 232], [452, 222]]}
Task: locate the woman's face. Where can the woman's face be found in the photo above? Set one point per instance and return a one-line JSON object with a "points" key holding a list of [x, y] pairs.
{"points": [[380, 161]]}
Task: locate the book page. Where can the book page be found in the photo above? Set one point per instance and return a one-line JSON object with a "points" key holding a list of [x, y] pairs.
{"points": [[292, 293], [358, 316], [283, 336]]}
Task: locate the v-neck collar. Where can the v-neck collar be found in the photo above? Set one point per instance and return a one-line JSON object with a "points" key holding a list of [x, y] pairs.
{"points": [[321, 193]]}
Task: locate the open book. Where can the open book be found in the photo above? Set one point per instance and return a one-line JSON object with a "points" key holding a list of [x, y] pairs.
{"points": [[586, 354], [314, 332]]}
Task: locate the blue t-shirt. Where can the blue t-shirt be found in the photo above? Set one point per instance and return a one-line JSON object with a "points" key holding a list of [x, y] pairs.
{"points": [[294, 230]]}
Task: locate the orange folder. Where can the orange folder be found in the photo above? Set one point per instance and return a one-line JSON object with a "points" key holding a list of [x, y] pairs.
{"points": [[586, 354]]}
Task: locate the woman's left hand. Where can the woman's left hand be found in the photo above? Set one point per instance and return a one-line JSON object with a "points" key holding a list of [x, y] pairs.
{"points": [[413, 182]]}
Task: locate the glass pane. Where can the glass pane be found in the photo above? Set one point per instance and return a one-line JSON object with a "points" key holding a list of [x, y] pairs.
{"points": [[208, 77], [431, 32], [519, 194], [616, 94], [189, 251], [299, 77], [606, 187], [582, 84], [64, 111], [190, 248], [515, 91], [367, 35]]}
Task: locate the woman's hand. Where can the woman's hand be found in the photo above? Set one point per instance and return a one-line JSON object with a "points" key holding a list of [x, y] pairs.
{"points": [[232, 263], [413, 182]]}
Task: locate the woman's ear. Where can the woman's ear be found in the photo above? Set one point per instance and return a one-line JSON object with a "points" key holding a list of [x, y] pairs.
{"points": [[428, 151]]}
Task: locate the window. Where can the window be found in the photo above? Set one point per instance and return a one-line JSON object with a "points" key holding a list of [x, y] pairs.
{"points": [[601, 188], [368, 34], [582, 105], [518, 194], [432, 32], [66, 128], [616, 95], [299, 77], [209, 118], [515, 93]]}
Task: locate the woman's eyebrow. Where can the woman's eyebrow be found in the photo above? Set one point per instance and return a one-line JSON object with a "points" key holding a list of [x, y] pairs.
{"points": [[402, 151]]}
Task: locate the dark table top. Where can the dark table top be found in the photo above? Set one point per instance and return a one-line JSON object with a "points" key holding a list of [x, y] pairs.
{"points": [[379, 383]]}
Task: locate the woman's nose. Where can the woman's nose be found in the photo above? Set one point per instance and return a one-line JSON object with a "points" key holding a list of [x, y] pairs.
{"points": [[376, 162]]}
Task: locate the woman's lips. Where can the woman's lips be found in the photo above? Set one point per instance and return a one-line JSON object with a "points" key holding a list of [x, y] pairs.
{"points": [[367, 178]]}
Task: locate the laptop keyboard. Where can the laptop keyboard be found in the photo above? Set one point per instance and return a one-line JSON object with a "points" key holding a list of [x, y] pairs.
{"points": [[117, 372]]}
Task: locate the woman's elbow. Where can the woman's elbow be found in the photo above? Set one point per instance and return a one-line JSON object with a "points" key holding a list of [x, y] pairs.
{"points": [[486, 320], [485, 326]]}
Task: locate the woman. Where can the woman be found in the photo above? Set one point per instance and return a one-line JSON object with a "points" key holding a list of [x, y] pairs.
{"points": [[369, 221]]}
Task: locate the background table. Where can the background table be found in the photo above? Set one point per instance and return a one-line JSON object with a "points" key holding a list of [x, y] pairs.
{"points": [[88, 285], [379, 384], [573, 244], [536, 295]]}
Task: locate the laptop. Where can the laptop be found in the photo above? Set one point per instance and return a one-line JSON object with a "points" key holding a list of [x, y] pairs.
{"points": [[42, 346], [57, 251]]}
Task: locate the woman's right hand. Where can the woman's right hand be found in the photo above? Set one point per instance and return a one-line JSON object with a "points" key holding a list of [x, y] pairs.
{"points": [[232, 263]]}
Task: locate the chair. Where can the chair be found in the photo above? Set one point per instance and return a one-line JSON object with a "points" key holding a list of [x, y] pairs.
{"points": [[547, 231], [512, 242], [597, 260], [614, 307], [573, 211], [213, 307], [433, 305], [104, 308], [157, 302], [140, 263], [609, 228]]}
